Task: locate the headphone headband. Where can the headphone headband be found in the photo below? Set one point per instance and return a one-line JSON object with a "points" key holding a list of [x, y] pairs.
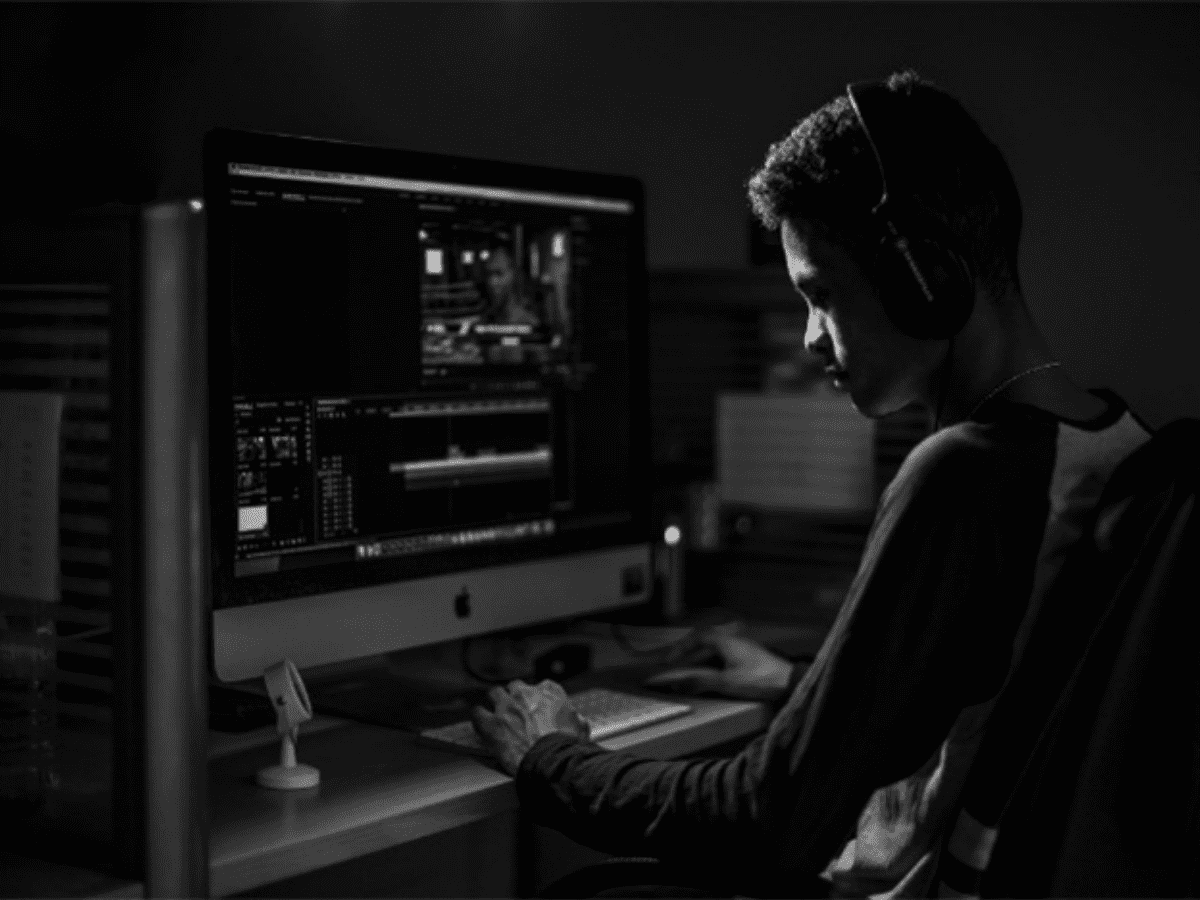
{"points": [[864, 93]]}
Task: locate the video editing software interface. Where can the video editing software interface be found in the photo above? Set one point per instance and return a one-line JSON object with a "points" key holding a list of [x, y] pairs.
{"points": [[419, 366]]}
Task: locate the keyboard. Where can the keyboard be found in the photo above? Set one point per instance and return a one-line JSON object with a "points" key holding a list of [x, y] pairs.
{"points": [[608, 713]]}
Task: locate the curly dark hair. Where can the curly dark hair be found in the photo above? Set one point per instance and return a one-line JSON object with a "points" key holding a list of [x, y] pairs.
{"points": [[825, 173]]}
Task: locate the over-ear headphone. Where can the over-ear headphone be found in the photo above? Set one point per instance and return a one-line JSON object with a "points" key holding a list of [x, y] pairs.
{"points": [[926, 285]]}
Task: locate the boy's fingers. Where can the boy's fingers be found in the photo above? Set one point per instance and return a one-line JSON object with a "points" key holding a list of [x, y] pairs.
{"points": [[498, 695], [481, 718]]}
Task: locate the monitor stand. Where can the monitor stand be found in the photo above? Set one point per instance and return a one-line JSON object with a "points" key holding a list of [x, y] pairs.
{"points": [[413, 689]]}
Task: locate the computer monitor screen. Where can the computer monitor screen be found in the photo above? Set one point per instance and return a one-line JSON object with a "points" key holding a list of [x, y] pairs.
{"points": [[421, 368]]}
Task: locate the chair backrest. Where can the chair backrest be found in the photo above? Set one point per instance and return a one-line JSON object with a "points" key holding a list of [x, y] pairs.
{"points": [[1088, 780]]}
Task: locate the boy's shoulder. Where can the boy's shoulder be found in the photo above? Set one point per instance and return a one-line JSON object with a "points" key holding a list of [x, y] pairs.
{"points": [[963, 455]]}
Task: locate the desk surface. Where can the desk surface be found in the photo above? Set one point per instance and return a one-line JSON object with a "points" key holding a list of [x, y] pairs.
{"points": [[379, 788]]}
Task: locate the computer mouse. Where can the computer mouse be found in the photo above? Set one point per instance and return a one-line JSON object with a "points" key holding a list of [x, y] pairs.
{"points": [[563, 662]]}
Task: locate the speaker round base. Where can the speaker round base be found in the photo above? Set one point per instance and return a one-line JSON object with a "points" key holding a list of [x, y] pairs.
{"points": [[289, 778]]}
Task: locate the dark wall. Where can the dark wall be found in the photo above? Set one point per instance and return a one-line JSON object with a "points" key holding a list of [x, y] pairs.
{"points": [[1096, 106]]}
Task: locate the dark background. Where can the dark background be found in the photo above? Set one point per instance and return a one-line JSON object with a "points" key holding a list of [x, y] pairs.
{"points": [[1096, 107]]}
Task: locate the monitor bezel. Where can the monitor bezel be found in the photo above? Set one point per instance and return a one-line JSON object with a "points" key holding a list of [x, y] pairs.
{"points": [[222, 146]]}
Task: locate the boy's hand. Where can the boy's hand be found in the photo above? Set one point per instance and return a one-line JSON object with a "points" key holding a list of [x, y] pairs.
{"points": [[523, 714], [750, 671]]}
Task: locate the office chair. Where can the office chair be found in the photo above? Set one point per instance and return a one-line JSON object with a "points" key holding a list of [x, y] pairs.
{"points": [[1087, 783]]}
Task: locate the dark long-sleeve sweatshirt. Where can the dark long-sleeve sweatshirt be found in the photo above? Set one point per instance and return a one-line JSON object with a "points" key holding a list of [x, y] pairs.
{"points": [[860, 769]]}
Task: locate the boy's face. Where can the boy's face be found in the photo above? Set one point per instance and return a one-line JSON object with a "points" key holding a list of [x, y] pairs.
{"points": [[881, 368]]}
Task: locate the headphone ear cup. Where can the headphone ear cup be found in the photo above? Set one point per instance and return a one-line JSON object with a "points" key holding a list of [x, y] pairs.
{"points": [[906, 303]]}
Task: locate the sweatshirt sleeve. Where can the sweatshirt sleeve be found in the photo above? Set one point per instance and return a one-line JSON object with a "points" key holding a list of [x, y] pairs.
{"points": [[920, 635]]}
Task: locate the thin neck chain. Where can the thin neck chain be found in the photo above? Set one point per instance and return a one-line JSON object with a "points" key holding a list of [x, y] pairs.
{"points": [[1007, 382]]}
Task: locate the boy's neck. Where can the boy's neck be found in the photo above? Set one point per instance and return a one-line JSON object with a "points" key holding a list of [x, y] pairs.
{"points": [[980, 366]]}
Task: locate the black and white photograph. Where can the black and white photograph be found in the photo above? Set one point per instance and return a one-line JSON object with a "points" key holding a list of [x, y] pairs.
{"points": [[599, 449]]}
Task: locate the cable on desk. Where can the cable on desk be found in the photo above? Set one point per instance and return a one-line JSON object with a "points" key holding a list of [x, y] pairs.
{"points": [[465, 658]]}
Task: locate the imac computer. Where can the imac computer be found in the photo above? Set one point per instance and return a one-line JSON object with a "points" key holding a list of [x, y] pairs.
{"points": [[428, 398]]}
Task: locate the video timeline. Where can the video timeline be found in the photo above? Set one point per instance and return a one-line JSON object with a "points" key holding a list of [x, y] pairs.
{"points": [[424, 542], [380, 476]]}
